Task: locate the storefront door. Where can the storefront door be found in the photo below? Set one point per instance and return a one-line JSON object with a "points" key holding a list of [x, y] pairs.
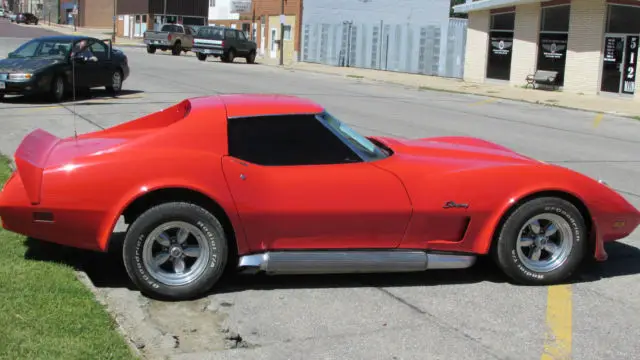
{"points": [[619, 64]]}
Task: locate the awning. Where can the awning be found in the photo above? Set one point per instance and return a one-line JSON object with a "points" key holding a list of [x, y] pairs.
{"points": [[470, 6]]}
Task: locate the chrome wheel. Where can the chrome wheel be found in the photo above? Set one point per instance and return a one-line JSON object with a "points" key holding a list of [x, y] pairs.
{"points": [[176, 253], [116, 81], [544, 242]]}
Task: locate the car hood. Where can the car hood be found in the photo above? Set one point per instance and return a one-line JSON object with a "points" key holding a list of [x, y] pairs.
{"points": [[450, 154], [11, 65]]}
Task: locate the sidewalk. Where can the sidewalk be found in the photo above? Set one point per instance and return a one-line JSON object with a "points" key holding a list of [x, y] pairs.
{"points": [[97, 33], [594, 103]]}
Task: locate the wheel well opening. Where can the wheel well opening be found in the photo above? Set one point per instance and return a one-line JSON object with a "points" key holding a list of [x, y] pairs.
{"points": [[582, 208], [161, 196]]}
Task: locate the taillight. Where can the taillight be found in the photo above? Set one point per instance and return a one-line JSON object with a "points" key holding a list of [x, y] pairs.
{"points": [[169, 37], [222, 44]]}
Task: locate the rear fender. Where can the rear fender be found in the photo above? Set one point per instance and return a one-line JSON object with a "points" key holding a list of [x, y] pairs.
{"points": [[111, 219]]}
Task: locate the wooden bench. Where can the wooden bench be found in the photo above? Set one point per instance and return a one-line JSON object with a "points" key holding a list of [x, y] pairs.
{"points": [[544, 77]]}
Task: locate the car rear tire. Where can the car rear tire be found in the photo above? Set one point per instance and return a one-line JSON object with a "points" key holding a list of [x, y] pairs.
{"points": [[188, 262], [151, 49], [542, 242], [229, 56], [201, 56], [177, 48], [251, 58]]}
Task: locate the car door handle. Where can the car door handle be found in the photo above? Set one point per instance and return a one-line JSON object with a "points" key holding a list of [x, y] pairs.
{"points": [[239, 162]]}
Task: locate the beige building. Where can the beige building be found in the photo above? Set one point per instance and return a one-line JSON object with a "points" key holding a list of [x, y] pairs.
{"points": [[591, 44]]}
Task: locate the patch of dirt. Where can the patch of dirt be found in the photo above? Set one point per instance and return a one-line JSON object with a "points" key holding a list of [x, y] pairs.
{"points": [[157, 330]]}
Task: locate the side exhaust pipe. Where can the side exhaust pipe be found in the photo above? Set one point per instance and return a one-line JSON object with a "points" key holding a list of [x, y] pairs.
{"points": [[351, 262]]}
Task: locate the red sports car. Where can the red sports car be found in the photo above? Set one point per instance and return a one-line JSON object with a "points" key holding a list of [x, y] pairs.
{"points": [[278, 184]]}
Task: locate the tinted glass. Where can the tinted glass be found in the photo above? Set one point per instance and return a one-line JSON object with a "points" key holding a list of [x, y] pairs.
{"points": [[623, 19], [286, 140], [211, 32], [555, 18], [504, 21], [42, 48]]}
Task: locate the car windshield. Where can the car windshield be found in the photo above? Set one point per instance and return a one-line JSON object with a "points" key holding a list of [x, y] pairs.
{"points": [[210, 32], [43, 48], [365, 146]]}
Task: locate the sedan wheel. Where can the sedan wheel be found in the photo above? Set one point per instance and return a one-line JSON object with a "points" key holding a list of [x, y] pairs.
{"points": [[116, 83], [57, 89], [542, 242], [176, 251]]}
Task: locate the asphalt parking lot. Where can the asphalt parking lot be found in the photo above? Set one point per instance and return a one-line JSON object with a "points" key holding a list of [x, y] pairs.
{"points": [[472, 314]]}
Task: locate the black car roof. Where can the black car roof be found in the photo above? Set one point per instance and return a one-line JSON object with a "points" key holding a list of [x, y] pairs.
{"points": [[63, 37]]}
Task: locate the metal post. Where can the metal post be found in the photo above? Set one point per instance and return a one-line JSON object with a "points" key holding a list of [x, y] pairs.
{"points": [[113, 34], [164, 12], [281, 62]]}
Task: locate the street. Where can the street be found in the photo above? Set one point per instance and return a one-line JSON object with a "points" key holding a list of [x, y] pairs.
{"points": [[472, 314]]}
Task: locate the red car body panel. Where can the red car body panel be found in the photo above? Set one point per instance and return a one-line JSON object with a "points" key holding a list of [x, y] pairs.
{"points": [[73, 191]]}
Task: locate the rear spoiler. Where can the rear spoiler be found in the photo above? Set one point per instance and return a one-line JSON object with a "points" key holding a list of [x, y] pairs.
{"points": [[31, 158]]}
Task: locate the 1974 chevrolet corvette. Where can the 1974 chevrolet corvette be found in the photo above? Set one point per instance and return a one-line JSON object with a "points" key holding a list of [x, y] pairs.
{"points": [[277, 184]]}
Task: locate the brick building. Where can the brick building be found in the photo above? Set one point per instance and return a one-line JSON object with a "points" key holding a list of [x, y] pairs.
{"points": [[262, 23], [91, 13], [592, 44], [136, 16]]}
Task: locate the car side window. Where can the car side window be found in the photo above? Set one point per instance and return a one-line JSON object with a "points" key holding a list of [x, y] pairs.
{"points": [[242, 36], [99, 50], [286, 140], [230, 34]]}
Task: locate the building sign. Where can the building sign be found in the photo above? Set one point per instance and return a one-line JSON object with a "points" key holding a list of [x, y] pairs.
{"points": [[501, 45], [552, 53], [500, 52], [631, 58], [553, 48], [610, 50], [240, 6]]}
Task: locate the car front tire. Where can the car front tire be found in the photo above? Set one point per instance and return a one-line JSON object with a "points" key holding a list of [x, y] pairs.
{"points": [[176, 251], [542, 242]]}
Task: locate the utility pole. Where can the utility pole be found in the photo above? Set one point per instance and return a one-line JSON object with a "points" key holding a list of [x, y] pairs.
{"points": [[164, 12], [281, 62]]}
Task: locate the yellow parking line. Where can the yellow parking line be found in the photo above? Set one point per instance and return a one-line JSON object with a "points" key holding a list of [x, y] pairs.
{"points": [[557, 343], [597, 120], [486, 101], [44, 108]]}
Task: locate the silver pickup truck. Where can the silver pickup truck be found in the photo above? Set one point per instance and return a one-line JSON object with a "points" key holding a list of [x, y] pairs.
{"points": [[178, 38]]}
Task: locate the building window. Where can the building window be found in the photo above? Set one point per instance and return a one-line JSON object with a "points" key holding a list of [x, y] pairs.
{"points": [[500, 45], [552, 42], [287, 32], [212, 3], [621, 43]]}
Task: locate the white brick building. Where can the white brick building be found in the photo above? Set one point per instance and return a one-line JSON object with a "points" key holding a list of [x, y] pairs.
{"points": [[592, 44]]}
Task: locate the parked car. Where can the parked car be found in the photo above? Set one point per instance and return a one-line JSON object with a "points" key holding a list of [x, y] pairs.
{"points": [[2, 13], [288, 188], [44, 66], [226, 43], [175, 37], [26, 18]]}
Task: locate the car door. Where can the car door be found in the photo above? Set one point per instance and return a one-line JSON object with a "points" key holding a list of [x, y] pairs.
{"points": [[104, 66], [243, 43], [87, 72], [298, 186]]}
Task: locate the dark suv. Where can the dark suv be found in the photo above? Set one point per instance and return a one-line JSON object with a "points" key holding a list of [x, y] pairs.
{"points": [[26, 18], [226, 43]]}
